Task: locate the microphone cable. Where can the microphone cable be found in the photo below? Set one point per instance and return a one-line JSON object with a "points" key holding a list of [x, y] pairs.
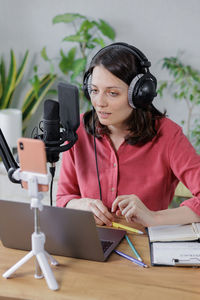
{"points": [[95, 153]]}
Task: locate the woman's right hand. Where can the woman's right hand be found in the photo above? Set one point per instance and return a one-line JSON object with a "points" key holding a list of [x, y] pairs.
{"points": [[101, 214]]}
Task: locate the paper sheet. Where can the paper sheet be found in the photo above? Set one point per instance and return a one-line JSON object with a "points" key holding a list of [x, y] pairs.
{"points": [[186, 252]]}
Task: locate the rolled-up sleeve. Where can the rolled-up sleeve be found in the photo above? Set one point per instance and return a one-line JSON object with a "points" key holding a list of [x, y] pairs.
{"points": [[185, 163]]}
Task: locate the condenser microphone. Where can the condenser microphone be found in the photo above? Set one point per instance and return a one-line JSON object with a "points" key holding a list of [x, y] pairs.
{"points": [[51, 128], [60, 121]]}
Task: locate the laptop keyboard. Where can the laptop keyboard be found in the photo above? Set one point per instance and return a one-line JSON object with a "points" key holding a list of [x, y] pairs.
{"points": [[106, 245]]}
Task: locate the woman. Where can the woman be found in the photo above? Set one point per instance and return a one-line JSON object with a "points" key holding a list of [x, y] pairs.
{"points": [[129, 156]]}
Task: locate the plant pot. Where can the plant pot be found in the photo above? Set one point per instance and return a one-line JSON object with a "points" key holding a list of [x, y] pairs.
{"points": [[11, 125]]}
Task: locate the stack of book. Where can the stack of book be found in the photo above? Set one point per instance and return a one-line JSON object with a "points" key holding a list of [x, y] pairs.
{"points": [[175, 245]]}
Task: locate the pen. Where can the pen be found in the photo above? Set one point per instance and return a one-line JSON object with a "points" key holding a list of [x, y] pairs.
{"points": [[131, 259], [118, 225], [133, 248], [193, 261]]}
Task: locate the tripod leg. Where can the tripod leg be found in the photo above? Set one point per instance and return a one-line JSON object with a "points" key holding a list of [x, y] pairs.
{"points": [[38, 271], [53, 261], [18, 264], [46, 270]]}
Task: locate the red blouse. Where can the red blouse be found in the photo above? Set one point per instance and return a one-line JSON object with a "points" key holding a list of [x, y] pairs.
{"points": [[151, 171]]}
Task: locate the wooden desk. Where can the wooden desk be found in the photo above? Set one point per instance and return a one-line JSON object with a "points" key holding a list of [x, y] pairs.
{"points": [[117, 278]]}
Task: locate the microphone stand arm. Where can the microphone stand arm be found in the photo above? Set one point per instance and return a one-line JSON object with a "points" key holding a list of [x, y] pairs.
{"points": [[8, 159]]}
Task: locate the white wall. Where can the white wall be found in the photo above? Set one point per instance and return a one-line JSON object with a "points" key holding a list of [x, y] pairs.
{"points": [[158, 27]]}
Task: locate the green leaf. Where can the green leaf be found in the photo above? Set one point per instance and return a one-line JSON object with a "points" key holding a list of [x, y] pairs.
{"points": [[31, 103], [99, 41], [66, 61], [35, 82], [2, 73], [163, 85], [65, 65], [10, 82], [1, 90], [91, 46], [106, 29], [191, 97], [87, 37], [79, 66], [52, 92], [26, 100], [72, 53], [44, 54], [66, 18], [62, 54], [51, 68], [75, 38], [86, 26], [21, 69]]}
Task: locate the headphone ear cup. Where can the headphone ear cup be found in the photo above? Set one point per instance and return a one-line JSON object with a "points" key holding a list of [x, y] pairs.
{"points": [[142, 90], [131, 89], [87, 84]]}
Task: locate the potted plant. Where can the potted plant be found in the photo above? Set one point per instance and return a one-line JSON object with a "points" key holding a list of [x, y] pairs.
{"points": [[87, 35], [10, 80], [10, 118], [185, 86]]}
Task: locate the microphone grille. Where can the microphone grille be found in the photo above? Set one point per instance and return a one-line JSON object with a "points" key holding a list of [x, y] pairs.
{"points": [[51, 110]]}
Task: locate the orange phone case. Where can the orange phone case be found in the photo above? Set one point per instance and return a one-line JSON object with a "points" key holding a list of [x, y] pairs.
{"points": [[32, 158]]}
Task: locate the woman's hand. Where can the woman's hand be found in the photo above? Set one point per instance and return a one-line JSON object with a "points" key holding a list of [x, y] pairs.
{"points": [[101, 214], [133, 209]]}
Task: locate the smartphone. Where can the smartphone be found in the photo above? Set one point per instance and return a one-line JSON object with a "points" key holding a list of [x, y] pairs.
{"points": [[32, 158], [68, 98]]}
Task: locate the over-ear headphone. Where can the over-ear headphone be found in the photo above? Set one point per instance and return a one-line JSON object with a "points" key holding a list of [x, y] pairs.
{"points": [[142, 89]]}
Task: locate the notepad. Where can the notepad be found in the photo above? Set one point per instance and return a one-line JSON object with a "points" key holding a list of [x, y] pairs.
{"points": [[175, 245], [175, 254], [188, 232]]}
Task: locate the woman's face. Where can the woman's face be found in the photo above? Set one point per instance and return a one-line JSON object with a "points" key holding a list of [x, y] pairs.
{"points": [[109, 96]]}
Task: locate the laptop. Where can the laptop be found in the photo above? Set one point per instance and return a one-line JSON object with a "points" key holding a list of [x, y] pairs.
{"points": [[69, 232]]}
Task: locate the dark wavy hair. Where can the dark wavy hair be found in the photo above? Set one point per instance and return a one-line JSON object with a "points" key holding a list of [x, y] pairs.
{"points": [[141, 123]]}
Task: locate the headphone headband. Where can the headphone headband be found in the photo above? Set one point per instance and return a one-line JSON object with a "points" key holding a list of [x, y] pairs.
{"points": [[142, 88], [144, 62]]}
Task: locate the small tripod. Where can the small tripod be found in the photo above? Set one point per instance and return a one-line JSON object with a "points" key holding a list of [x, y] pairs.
{"points": [[38, 237]]}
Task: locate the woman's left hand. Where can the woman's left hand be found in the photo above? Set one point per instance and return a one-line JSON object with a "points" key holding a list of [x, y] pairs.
{"points": [[133, 209]]}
